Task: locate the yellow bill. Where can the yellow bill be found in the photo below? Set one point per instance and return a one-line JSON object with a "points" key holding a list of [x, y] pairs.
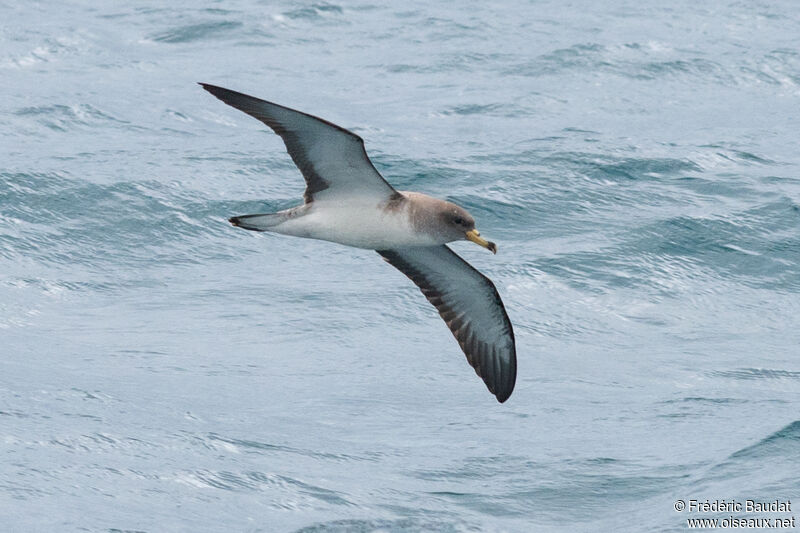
{"points": [[475, 236]]}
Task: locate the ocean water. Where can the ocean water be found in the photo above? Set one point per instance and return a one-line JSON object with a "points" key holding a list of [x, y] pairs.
{"points": [[637, 163]]}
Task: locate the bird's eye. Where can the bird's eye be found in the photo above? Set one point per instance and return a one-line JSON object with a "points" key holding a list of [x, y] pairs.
{"points": [[459, 221]]}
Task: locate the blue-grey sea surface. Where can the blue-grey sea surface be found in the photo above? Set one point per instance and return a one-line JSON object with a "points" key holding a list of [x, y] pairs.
{"points": [[637, 163]]}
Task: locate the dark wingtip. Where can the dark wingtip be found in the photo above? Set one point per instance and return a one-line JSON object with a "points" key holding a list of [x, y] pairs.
{"points": [[507, 378], [503, 396], [235, 221], [213, 89]]}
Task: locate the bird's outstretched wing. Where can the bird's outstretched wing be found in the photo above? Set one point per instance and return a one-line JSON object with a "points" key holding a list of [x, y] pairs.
{"points": [[470, 305], [332, 159]]}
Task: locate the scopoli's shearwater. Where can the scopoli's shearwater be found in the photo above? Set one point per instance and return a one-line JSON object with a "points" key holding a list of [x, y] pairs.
{"points": [[348, 201]]}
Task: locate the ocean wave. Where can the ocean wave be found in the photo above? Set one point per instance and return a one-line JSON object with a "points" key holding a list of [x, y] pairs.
{"points": [[197, 32]]}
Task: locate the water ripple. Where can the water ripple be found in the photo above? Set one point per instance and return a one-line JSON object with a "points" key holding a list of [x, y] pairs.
{"points": [[197, 32]]}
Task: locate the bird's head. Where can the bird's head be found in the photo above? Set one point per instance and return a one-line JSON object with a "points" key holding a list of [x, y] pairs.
{"points": [[460, 225]]}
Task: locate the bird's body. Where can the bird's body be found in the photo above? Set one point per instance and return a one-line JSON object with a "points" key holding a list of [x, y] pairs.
{"points": [[348, 202], [361, 223]]}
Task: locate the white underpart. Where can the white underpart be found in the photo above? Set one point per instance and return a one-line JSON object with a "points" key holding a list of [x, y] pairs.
{"points": [[363, 223]]}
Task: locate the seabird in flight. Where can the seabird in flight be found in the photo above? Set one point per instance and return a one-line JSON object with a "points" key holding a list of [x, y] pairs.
{"points": [[347, 201]]}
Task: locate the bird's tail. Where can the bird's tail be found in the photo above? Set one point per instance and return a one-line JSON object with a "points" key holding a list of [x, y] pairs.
{"points": [[262, 222]]}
